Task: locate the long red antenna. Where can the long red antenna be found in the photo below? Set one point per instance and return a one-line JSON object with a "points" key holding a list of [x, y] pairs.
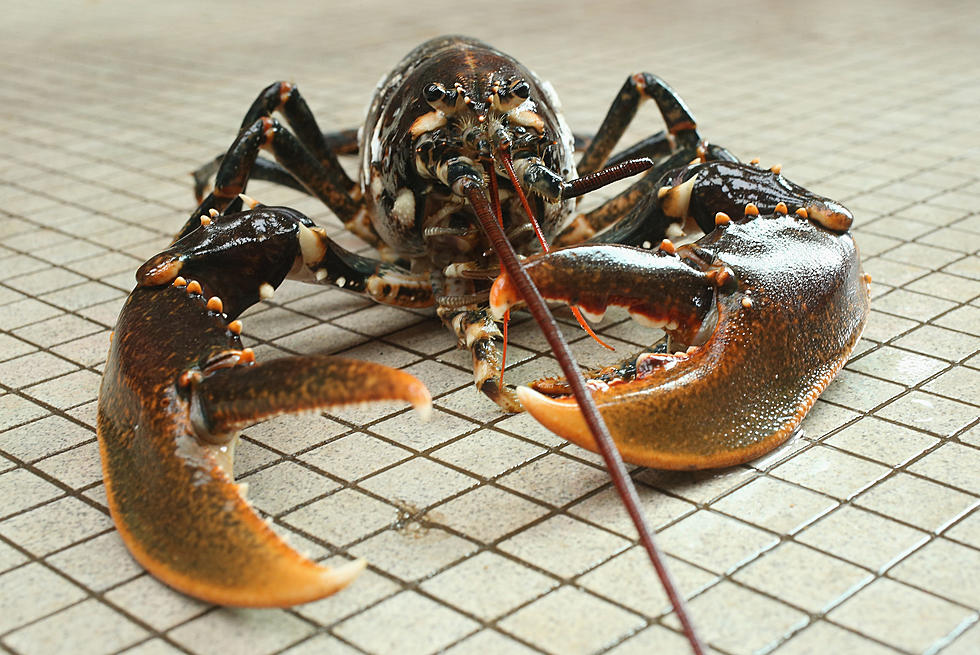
{"points": [[617, 471], [509, 167], [495, 199]]}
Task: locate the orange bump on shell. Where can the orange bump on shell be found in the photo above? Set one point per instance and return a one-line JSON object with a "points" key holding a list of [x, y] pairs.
{"points": [[755, 161], [193, 287], [247, 356], [235, 327], [746, 302], [777, 169], [668, 246], [213, 213], [180, 282], [781, 208], [215, 304], [205, 220], [721, 218], [751, 210], [801, 212]]}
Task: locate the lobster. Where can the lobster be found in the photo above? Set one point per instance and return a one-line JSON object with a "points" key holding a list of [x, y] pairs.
{"points": [[467, 168]]}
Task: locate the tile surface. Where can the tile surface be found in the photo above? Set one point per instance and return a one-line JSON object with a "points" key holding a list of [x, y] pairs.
{"points": [[485, 532]]}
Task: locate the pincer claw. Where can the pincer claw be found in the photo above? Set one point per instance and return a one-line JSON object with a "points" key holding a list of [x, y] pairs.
{"points": [[761, 313]]}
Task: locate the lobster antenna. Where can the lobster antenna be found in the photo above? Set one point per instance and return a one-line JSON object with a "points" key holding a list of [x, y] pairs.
{"points": [[509, 167], [617, 471]]}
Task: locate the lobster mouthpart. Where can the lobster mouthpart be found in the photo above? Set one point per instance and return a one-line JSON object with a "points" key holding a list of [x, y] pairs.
{"points": [[768, 308]]}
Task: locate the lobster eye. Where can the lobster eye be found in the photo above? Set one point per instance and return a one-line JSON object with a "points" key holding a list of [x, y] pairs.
{"points": [[433, 92], [522, 89]]}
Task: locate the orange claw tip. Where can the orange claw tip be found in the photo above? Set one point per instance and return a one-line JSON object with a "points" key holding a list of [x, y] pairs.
{"points": [[193, 287], [215, 304], [503, 295]]}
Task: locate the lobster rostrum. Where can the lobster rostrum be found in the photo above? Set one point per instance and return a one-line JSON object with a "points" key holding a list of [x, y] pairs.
{"points": [[466, 166]]}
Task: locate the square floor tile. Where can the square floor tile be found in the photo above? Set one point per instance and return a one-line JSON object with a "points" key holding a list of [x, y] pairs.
{"points": [[738, 620], [488, 585], [564, 546], [919, 502], [831, 472], [714, 541], [571, 621], [900, 616], [412, 624], [243, 630], [861, 537], [486, 513], [413, 551], [89, 628], [803, 577]]}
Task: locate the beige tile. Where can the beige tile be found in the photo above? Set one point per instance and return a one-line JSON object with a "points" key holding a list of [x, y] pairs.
{"points": [[931, 413], [831, 472], [488, 453], [295, 432], [153, 647], [960, 383], [697, 486], [243, 630], [488, 585], [564, 546], [775, 505], [22, 489], [738, 620], [322, 643], [412, 624], [285, 485], [369, 588], [940, 342], [861, 537], [10, 557], [418, 483], [68, 390], [571, 621], [404, 429], [966, 643], [656, 639], [55, 525], [355, 456], [952, 463], [803, 577], [78, 467], [900, 616], [343, 517], [606, 509], [489, 641], [155, 603], [97, 563], [899, 366], [630, 579], [413, 551], [87, 628], [486, 513], [822, 637], [922, 503], [967, 530], [30, 369], [942, 566], [699, 538], [555, 479], [882, 441], [40, 592]]}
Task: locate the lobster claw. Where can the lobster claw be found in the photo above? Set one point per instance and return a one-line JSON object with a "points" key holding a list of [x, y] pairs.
{"points": [[762, 313]]}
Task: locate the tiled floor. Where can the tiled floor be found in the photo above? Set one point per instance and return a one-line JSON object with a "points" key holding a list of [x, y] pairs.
{"points": [[485, 533]]}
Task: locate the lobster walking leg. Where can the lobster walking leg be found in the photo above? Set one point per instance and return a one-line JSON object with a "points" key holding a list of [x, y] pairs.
{"points": [[177, 388]]}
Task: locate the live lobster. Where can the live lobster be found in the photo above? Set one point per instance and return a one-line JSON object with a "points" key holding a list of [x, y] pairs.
{"points": [[462, 152]]}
